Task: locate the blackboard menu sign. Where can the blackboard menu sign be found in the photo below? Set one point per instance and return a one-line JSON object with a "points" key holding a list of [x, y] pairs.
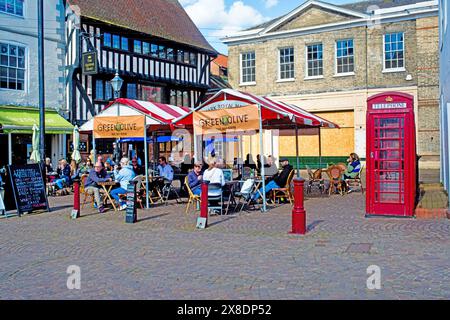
{"points": [[131, 213], [28, 187]]}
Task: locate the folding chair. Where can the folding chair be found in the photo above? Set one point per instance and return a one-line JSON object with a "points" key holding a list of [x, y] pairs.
{"points": [[167, 190], [83, 192], [245, 194], [356, 181], [314, 178], [194, 199]]}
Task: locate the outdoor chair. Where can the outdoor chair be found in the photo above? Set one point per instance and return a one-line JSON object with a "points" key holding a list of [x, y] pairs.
{"points": [[167, 190], [356, 181], [335, 175], [286, 191], [245, 194], [83, 192], [246, 172], [194, 199], [212, 187], [315, 178]]}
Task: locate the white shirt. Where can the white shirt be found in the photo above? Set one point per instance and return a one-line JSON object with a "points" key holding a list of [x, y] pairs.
{"points": [[215, 175]]}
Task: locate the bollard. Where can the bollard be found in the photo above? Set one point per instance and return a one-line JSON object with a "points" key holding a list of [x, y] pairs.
{"points": [[202, 221], [131, 212], [298, 211], [76, 199]]}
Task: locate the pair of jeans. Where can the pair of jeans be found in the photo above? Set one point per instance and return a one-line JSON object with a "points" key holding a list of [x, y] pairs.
{"points": [[60, 183], [197, 191], [115, 194], [271, 185]]}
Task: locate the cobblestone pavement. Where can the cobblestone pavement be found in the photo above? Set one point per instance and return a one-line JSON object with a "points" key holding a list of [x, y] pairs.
{"points": [[247, 256]]}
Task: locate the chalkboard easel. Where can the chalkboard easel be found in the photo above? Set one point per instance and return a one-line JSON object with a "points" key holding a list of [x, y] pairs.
{"points": [[29, 188]]}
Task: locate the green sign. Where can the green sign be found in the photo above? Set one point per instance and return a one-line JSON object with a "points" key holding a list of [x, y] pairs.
{"points": [[89, 62]]}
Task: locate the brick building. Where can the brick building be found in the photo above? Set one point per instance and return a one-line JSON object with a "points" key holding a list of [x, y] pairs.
{"points": [[328, 59]]}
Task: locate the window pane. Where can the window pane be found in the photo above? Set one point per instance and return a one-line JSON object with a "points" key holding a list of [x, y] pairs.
{"points": [[108, 91], [124, 43], [154, 50], [145, 48], [162, 52], [170, 54], [116, 42], [137, 46], [131, 91], [394, 51], [99, 90], [107, 40]]}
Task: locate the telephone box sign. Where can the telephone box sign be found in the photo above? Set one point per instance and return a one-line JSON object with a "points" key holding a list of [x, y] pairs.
{"points": [[391, 155]]}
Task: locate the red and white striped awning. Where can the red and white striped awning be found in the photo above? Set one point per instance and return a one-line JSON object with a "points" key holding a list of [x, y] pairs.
{"points": [[271, 110], [156, 113]]}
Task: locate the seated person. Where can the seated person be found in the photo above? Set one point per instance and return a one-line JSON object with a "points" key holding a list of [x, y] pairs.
{"points": [[74, 170], [96, 175], [215, 176], [271, 169], [108, 166], [124, 176], [258, 165], [86, 167], [64, 174], [279, 180], [249, 162], [195, 179], [48, 166], [353, 169], [165, 173], [138, 169]]}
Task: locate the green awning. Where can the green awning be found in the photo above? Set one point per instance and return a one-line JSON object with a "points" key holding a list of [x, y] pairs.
{"points": [[21, 119]]}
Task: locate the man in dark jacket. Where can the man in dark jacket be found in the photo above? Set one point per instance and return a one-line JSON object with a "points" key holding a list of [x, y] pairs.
{"points": [[96, 175], [279, 180]]}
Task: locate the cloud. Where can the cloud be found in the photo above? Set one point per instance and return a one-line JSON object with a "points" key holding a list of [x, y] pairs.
{"points": [[215, 19], [270, 3]]}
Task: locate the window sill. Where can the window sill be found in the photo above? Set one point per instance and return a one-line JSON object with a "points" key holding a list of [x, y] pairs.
{"points": [[244, 84], [347, 74], [12, 15], [314, 78], [13, 90], [394, 70], [285, 80]]}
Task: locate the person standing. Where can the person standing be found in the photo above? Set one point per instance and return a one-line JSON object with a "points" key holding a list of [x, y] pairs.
{"points": [[96, 175], [117, 153], [124, 176]]}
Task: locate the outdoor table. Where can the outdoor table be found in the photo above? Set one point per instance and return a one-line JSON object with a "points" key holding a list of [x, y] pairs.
{"points": [[107, 186]]}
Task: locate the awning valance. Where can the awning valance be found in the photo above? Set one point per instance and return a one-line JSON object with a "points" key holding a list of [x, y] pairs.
{"points": [[272, 111], [16, 119], [156, 113]]}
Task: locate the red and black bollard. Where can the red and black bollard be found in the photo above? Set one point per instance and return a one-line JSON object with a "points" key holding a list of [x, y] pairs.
{"points": [[76, 199], [298, 211], [202, 221]]}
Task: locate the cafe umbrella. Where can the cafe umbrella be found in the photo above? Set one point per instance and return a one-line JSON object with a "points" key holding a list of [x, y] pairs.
{"points": [[35, 155], [76, 145]]}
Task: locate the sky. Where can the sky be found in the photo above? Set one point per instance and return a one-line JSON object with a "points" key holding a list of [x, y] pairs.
{"points": [[218, 18]]}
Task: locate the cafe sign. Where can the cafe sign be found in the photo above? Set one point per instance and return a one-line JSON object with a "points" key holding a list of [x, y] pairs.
{"points": [[89, 63], [119, 127], [223, 120]]}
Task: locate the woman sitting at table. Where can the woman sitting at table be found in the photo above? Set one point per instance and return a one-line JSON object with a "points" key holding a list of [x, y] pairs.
{"points": [[214, 175], [64, 174], [74, 170], [195, 179], [353, 169], [124, 176]]}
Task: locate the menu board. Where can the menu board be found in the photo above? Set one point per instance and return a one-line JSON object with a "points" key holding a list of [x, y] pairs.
{"points": [[28, 187]]}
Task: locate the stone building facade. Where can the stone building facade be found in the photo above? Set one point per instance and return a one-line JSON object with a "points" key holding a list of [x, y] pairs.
{"points": [[357, 50]]}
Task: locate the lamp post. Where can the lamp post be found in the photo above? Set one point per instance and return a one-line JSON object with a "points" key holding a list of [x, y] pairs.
{"points": [[116, 84]]}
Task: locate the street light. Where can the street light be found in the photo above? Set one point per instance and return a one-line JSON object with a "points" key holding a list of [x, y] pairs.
{"points": [[116, 84]]}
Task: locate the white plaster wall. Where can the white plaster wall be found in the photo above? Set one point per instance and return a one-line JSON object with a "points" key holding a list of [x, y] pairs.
{"points": [[23, 31]]}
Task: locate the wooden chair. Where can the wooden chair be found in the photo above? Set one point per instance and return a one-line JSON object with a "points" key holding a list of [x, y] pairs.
{"points": [[83, 192], [194, 199], [286, 191], [335, 174], [356, 181], [314, 178]]}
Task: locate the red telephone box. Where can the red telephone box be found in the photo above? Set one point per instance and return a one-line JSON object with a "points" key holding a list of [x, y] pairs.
{"points": [[391, 155]]}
